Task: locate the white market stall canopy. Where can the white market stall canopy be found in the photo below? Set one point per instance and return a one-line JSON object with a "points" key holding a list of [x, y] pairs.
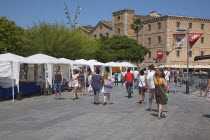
{"points": [[72, 62], [16, 61], [46, 58], [122, 64], [185, 66], [51, 63], [5, 69]]}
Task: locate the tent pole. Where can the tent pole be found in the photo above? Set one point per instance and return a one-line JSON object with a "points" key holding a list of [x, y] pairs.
{"points": [[45, 74], [69, 71], [111, 72], [103, 67], [13, 92]]}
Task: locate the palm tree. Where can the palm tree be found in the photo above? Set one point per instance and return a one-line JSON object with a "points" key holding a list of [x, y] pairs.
{"points": [[136, 26]]}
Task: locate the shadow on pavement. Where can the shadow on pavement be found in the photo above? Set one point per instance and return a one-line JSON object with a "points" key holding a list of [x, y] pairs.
{"points": [[156, 115], [207, 115], [155, 110], [127, 96]]}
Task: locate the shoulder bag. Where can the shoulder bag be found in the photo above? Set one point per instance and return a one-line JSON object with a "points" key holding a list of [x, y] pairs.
{"points": [[108, 83]]}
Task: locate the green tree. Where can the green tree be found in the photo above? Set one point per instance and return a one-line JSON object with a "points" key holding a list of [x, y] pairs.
{"points": [[120, 48], [57, 40], [11, 36], [136, 26]]}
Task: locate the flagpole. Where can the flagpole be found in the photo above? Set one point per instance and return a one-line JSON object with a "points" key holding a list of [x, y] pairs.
{"points": [[188, 49]]}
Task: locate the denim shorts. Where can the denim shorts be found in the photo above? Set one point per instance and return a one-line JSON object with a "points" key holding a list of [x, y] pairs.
{"points": [[57, 86]]}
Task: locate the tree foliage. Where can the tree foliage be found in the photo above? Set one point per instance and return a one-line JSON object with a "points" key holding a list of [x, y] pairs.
{"points": [[11, 36], [120, 48], [56, 40]]}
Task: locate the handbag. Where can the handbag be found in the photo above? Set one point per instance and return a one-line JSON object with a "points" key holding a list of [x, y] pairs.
{"points": [[124, 85], [90, 89], [144, 87], [108, 83]]}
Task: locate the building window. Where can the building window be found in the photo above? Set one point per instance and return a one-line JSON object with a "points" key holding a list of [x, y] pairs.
{"points": [[177, 24], [95, 36], [149, 41], [118, 18], [107, 34], [149, 54], [202, 53], [178, 53], [149, 26], [202, 26], [202, 40], [101, 27], [159, 39], [159, 25], [190, 53], [190, 25], [101, 35], [118, 30]]}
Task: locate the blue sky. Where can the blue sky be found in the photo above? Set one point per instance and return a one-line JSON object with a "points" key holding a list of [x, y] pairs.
{"points": [[27, 12]]}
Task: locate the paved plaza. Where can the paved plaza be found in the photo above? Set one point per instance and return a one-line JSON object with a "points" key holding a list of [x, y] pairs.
{"points": [[42, 118]]}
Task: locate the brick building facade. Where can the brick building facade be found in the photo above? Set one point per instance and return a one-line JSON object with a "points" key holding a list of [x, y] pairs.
{"points": [[157, 34]]}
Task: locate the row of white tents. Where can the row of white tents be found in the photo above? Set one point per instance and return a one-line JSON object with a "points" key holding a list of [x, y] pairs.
{"points": [[10, 67], [185, 66]]}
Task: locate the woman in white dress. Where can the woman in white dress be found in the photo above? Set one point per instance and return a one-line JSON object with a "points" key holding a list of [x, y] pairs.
{"points": [[106, 90], [75, 83]]}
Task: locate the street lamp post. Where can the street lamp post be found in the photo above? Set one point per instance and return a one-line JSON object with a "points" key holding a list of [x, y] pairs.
{"points": [[188, 49]]}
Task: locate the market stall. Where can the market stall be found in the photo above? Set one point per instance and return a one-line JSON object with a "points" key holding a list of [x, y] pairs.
{"points": [[51, 64], [15, 63]]}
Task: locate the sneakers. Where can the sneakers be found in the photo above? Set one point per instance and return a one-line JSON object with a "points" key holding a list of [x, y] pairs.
{"points": [[149, 109], [104, 103], [140, 102]]}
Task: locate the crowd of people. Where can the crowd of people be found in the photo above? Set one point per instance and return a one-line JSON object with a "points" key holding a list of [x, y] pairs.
{"points": [[154, 82]]}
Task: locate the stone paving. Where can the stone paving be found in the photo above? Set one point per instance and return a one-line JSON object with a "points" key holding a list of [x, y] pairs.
{"points": [[42, 118]]}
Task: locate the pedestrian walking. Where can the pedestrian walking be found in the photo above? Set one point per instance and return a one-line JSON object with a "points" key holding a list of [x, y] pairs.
{"points": [[81, 80], [151, 85], [107, 87], [123, 77], [207, 94], [57, 82], [96, 85], [175, 80], [181, 77], [145, 71], [142, 83], [136, 76], [160, 92], [75, 83], [129, 82], [116, 78], [167, 75]]}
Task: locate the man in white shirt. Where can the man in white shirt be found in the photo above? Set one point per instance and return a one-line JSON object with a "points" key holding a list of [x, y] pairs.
{"points": [[167, 75], [151, 85], [136, 75], [123, 76]]}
